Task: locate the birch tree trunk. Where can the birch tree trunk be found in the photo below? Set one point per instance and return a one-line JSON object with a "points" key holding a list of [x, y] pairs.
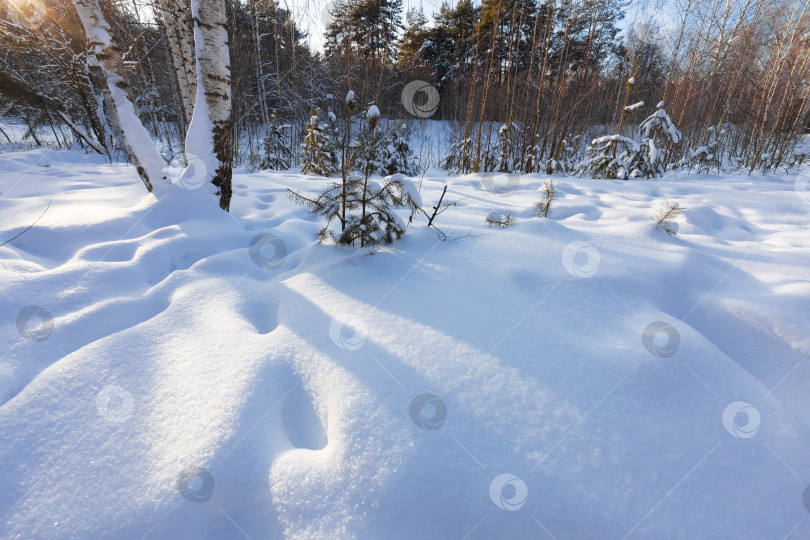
{"points": [[259, 68], [209, 142], [174, 19], [124, 117]]}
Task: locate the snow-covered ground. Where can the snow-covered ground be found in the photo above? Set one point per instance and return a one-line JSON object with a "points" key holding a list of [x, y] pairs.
{"points": [[171, 371]]}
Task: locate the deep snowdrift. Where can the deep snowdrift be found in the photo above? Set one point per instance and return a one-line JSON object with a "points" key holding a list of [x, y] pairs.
{"points": [[171, 371]]}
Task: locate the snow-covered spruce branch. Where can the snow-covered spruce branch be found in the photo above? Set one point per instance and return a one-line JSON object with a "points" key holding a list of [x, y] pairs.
{"points": [[666, 215]]}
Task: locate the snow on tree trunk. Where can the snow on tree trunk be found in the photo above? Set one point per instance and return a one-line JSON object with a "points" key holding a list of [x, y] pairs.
{"points": [[123, 115], [209, 141], [174, 18]]}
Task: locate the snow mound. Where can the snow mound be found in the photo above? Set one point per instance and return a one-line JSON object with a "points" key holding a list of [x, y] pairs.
{"points": [[174, 371]]}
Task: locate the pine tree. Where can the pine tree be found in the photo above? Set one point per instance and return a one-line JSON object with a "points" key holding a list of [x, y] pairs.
{"points": [[548, 193], [412, 39], [399, 153], [277, 154], [372, 152], [449, 45], [657, 132], [642, 159], [365, 209], [317, 150], [371, 207], [602, 161]]}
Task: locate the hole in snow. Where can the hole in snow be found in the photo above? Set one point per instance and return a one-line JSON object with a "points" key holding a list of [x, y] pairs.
{"points": [[301, 421]]}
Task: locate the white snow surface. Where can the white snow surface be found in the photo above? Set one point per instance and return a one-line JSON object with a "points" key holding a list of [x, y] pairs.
{"points": [[292, 374]]}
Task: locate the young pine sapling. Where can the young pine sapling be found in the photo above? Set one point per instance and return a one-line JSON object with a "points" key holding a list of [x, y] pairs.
{"points": [[666, 215], [549, 194]]}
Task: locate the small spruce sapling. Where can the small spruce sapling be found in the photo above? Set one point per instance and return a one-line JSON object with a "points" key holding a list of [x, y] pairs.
{"points": [[277, 155], [500, 218], [549, 194], [372, 150], [370, 207], [666, 215], [317, 151], [400, 156], [330, 128], [365, 208]]}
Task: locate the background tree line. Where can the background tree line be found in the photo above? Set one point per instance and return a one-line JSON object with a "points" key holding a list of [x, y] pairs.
{"points": [[524, 85]]}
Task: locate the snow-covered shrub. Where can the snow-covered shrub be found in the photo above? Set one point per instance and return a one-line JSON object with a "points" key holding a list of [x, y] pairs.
{"points": [[611, 156], [531, 159], [500, 218], [370, 211], [548, 193], [504, 161], [666, 214], [565, 161], [617, 156], [657, 132], [318, 149], [797, 159], [277, 155], [458, 158], [490, 158], [703, 157]]}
